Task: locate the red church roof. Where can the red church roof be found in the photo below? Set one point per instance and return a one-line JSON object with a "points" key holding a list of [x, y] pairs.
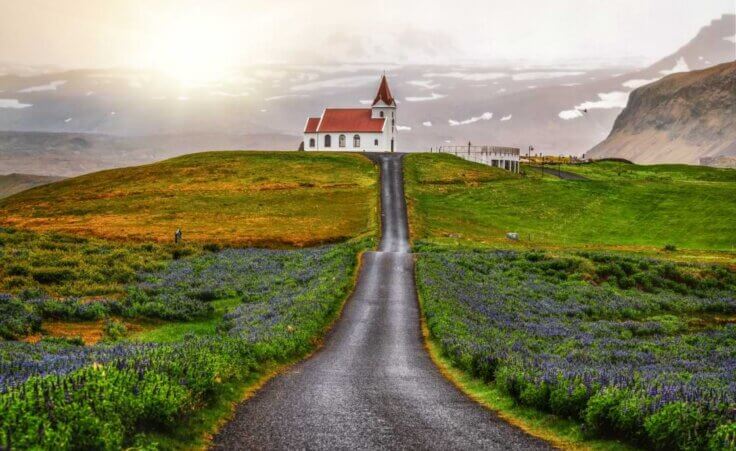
{"points": [[312, 124], [384, 93], [335, 120]]}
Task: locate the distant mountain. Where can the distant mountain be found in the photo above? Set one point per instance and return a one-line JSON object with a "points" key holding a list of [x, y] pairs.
{"points": [[517, 105], [69, 154], [679, 119], [15, 183]]}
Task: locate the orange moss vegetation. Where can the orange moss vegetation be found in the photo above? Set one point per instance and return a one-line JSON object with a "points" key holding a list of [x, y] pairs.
{"points": [[235, 198], [91, 332]]}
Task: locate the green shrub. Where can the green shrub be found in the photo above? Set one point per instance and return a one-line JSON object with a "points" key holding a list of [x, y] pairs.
{"points": [[212, 247], [535, 394], [600, 411], [723, 438], [181, 252], [114, 329], [628, 416], [17, 270], [51, 275], [70, 341], [568, 398], [678, 425], [17, 319], [509, 380]]}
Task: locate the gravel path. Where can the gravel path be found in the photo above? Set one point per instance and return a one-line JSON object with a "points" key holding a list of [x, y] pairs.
{"points": [[372, 385]]}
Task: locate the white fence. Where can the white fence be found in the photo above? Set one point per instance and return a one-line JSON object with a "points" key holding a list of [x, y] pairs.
{"points": [[496, 156]]}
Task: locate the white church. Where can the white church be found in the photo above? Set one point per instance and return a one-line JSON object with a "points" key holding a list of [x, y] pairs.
{"points": [[355, 129]]}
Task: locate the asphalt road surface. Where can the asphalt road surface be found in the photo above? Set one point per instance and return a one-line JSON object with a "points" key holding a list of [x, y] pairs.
{"points": [[372, 385]]}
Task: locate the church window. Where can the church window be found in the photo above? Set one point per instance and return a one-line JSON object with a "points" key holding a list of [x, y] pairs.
{"points": [[375, 142], [342, 141], [381, 113], [328, 141], [356, 141], [311, 142]]}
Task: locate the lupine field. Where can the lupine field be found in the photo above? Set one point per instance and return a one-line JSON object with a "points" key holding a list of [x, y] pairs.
{"points": [[630, 347], [59, 394]]}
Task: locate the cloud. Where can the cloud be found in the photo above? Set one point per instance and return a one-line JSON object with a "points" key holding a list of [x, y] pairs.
{"points": [[473, 76], [526, 76], [730, 38], [433, 96], [483, 117], [14, 104], [638, 82], [427, 123], [680, 66], [425, 84], [606, 100], [402, 128], [343, 82], [506, 118], [570, 114], [67, 120], [230, 94], [288, 96], [49, 87]]}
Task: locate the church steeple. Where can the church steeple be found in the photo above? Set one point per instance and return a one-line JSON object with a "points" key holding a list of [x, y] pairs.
{"points": [[384, 93]]}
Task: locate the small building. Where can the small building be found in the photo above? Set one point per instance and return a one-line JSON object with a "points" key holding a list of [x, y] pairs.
{"points": [[355, 129]]}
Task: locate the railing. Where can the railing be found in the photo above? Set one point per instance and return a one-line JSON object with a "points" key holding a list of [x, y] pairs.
{"points": [[480, 150], [496, 156]]}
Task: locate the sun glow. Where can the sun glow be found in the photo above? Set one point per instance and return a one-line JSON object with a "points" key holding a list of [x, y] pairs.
{"points": [[194, 50]]}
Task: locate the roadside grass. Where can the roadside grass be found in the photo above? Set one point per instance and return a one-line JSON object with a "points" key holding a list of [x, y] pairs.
{"points": [[686, 210], [266, 199]]}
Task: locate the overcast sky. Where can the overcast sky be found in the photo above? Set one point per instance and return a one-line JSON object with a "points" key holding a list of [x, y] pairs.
{"points": [[103, 33]]}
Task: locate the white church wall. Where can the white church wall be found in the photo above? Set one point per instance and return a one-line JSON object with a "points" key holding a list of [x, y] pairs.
{"points": [[367, 142]]}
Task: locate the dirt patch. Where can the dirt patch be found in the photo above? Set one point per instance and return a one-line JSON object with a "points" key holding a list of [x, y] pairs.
{"points": [[91, 332], [711, 320]]}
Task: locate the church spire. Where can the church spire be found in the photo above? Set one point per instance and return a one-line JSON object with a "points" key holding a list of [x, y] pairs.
{"points": [[384, 93]]}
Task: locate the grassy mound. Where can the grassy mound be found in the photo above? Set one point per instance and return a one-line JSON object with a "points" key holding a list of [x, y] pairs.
{"points": [[233, 198], [651, 207]]}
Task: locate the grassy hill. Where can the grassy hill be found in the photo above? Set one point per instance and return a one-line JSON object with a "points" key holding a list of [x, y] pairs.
{"points": [[15, 183], [622, 206], [233, 198], [614, 170]]}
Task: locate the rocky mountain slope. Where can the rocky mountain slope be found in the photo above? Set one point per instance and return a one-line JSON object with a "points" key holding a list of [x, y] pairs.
{"points": [[679, 119], [15, 183]]}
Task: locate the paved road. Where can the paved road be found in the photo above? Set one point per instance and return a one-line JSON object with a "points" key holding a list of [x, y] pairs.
{"points": [[372, 385]]}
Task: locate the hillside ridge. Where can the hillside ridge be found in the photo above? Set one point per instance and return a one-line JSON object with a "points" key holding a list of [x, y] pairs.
{"points": [[679, 119]]}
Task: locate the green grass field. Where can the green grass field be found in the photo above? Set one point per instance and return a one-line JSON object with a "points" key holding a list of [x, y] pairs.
{"points": [[612, 170], [691, 208], [234, 198]]}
